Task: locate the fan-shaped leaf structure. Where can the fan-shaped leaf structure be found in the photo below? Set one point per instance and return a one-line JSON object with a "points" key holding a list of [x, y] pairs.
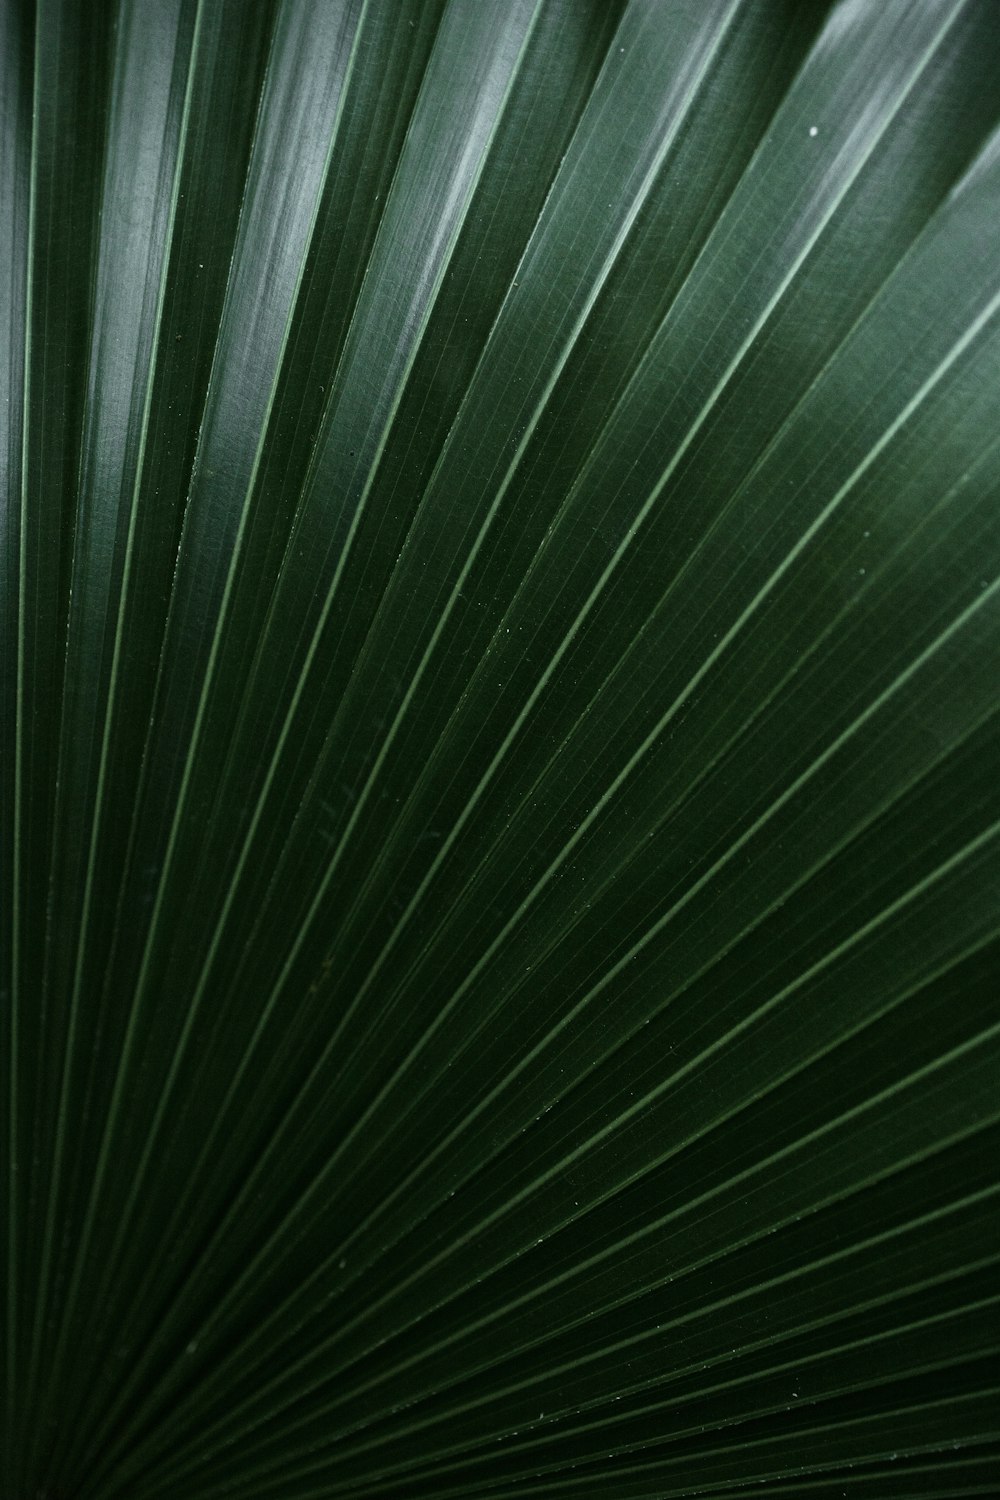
{"points": [[501, 748]]}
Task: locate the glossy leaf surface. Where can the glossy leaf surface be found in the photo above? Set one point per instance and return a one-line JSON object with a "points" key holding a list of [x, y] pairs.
{"points": [[501, 748]]}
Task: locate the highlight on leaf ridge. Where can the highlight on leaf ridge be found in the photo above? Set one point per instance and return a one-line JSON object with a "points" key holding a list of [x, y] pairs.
{"points": [[500, 808]]}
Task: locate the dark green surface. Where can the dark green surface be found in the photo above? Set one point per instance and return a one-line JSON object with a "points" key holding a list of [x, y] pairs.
{"points": [[501, 748]]}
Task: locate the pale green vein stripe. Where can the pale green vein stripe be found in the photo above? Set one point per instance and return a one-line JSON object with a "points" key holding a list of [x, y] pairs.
{"points": [[198, 994], [971, 333], [292, 1475], [232, 1296], [88, 889], [588, 1144], [880, 1448], [593, 599], [238, 1355], [319, 1182], [538, 1438], [830, 207], [534, 1463], [531, 896], [629, 1241], [528, 797], [565, 354], [777, 1284], [951, 1470], [584, 827], [569, 346], [199, 991], [204, 693], [21, 737]]}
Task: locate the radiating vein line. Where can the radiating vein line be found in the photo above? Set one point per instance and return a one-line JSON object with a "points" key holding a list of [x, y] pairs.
{"points": [[473, 1449], [570, 344], [737, 1109], [288, 1473], [276, 1408], [478, 1450], [949, 1466], [956, 1469], [231, 889], [20, 738], [238, 1354], [535, 891], [951, 1471], [109, 1266], [588, 1144], [659, 1463], [203, 698], [656, 1451], [329, 1260], [600, 1257], [30, 1377], [579, 833], [632, 1342], [640, 1234], [804, 1484], [600, 282], [862, 1423], [494, 1093], [573, 1015], [68, 1050], [333, 386], [591, 601], [291, 538], [78, 1263], [568, 347], [802, 1271], [498, 635], [448, 842], [733, 1489], [83, 1243], [526, 800], [198, 994], [646, 507]]}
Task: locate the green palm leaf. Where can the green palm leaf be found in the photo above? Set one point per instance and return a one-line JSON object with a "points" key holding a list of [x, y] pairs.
{"points": [[501, 763]]}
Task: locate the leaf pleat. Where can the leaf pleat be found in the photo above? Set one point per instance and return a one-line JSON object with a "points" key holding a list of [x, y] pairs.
{"points": [[500, 614]]}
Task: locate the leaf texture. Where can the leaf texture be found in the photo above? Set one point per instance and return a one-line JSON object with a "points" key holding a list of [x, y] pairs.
{"points": [[501, 748]]}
